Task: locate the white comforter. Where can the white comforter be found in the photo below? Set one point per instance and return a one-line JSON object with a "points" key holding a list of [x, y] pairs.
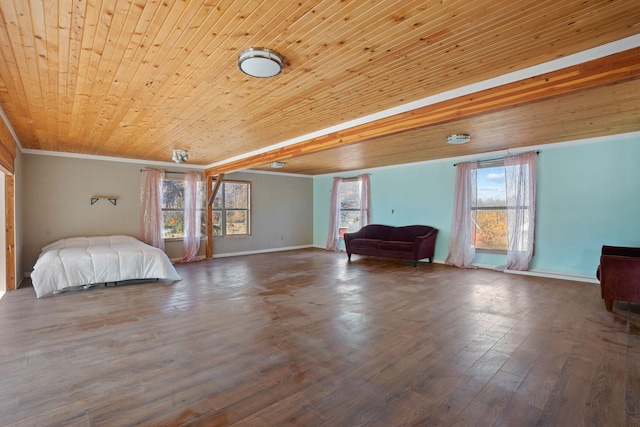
{"points": [[87, 260]]}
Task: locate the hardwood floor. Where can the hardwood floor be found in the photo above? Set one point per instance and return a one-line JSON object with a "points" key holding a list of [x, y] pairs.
{"points": [[305, 338]]}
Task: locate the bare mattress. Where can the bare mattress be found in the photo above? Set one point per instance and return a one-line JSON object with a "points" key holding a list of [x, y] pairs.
{"points": [[82, 261]]}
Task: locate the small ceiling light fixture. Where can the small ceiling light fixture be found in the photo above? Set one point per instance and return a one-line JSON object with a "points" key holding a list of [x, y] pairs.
{"points": [[260, 62], [458, 138], [180, 156], [277, 165]]}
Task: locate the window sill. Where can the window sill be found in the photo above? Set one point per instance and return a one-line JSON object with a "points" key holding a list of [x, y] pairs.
{"points": [[491, 251]]}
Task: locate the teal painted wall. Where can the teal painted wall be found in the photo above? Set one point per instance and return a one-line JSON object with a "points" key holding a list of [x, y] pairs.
{"points": [[588, 195], [401, 195]]}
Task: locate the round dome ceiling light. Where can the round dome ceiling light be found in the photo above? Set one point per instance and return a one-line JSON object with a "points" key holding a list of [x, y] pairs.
{"points": [[458, 138], [260, 62]]}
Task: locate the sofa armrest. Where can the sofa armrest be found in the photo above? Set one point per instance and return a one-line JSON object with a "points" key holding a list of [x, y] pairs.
{"points": [[430, 236], [615, 269], [354, 235], [620, 278], [621, 251], [424, 246]]}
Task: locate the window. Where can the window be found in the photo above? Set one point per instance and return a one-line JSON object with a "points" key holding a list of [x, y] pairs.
{"points": [[173, 208], [349, 206], [489, 210], [349, 209], [494, 211], [231, 210]]}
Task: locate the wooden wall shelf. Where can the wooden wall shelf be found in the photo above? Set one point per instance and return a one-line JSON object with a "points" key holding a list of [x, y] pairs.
{"points": [[112, 199]]}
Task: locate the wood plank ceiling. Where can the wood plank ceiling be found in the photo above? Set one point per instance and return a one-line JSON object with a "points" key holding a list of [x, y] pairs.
{"points": [[140, 78]]}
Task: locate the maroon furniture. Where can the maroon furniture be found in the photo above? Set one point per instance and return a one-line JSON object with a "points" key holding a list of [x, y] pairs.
{"points": [[619, 275], [412, 242]]}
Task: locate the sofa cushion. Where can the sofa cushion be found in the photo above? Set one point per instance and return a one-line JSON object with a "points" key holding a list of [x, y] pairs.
{"points": [[396, 246], [378, 231], [408, 233], [365, 243]]}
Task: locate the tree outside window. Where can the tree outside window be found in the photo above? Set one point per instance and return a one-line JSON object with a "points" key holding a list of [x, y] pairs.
{"points": [[489, 210], [173, 208], [231, 209]]}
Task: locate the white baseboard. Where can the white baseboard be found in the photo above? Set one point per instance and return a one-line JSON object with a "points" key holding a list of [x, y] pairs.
{"points": [[261, 251], [540, 273], [554, 275]]}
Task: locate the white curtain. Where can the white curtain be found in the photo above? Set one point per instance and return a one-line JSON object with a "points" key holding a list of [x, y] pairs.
{"points": [[461, 252], [192, 217], [151, 207], [520, 178], [333, 235], [365, 197]]}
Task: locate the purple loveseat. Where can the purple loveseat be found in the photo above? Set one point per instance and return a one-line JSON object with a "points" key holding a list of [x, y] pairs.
{"points": [[412, 242]]}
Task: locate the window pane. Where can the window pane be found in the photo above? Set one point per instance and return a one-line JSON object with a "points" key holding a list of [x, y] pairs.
{"points": [[236, 222], [173, 207], [490, 227], [203, 223], [349, 207], [231, 209], [202, 194], [217, 202], [350, 195], [491, 187], [520, 242], [236, 195], [350, 220], [217, 222], [173, 224], [172, 194]]}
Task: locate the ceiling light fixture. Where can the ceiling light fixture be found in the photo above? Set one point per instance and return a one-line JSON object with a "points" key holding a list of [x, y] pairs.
{"points": [[260, 62], [180, 156], [277, 165], [458, 138]]}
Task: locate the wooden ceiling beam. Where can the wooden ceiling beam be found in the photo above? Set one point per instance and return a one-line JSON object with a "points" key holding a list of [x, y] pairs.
{"points": [[607, 70]]}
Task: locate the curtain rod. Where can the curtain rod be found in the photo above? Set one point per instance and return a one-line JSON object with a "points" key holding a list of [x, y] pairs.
{"points": [[353, 178], [494, 159], [180, 173]]}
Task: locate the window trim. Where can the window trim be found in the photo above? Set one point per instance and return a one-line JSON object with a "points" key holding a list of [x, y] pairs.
{"points": [[249, 210], [486, 165]]}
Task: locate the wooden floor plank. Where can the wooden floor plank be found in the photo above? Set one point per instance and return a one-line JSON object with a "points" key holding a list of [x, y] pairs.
{"points": [[306, 338]]}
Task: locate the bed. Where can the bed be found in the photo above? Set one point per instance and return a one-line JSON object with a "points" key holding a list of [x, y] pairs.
{"points": [[86, 261]]}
